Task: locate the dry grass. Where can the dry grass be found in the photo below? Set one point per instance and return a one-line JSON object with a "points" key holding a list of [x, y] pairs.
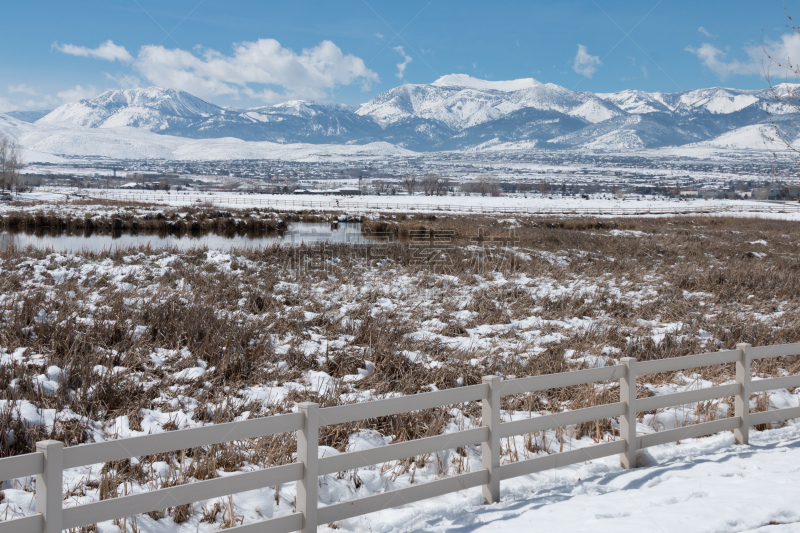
{"points": [[146, 218], [703, 275]]}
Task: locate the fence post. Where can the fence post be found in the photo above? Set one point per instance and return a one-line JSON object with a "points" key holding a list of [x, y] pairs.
{"points": [[742, 400], [627, 422], [48, 485], [490, 448], [307, 446]]}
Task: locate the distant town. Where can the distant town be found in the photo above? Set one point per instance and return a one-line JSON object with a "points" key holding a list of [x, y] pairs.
{"points": [[737, 175]]}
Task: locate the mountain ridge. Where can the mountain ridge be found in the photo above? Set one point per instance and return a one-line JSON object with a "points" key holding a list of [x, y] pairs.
{"points": [[455, 112]]}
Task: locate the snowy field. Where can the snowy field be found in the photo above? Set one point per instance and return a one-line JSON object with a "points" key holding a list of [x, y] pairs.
{"points": [[470, 204], [515, 204], [98, 346], [705, 485]]}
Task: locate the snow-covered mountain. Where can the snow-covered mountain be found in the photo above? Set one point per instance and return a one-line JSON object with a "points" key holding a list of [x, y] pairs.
{"points": [[455, 112], [172, 112], [637, 102], [460, 101], [153, 108], [29, 115]]}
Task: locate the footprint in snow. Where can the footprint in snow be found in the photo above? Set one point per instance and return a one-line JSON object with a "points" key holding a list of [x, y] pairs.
{"points": [[611, 515], [675, 500]]}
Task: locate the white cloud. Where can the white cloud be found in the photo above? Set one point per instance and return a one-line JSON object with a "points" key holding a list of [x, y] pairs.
{"points": [[401, 67], [47, 101], [31, 98], [22, 88], [585, 64], [77, 93], [31, 101], [783, 52], [645, 74], [310, 74], [108, 51], [714, 60], [379, 35], [706, 33]]}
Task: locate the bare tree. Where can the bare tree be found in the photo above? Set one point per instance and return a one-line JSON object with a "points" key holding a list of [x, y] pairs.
{"points": [[442, 185], [231, 184], [76, 181], [409, 183], [783, 128], [380, 186], [430, 184], [482, 185], [469, 187], [10, 163], [544, 187]]}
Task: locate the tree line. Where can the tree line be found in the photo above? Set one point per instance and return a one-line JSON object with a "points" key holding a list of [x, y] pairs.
{"points": [[436, 185], [485, 185], [10, 163]]}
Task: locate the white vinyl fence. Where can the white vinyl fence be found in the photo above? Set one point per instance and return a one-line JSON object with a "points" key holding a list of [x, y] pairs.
{"points": [[51, 458]]}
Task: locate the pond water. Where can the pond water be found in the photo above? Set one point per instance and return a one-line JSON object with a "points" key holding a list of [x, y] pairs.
{"points": [[298, 233]]}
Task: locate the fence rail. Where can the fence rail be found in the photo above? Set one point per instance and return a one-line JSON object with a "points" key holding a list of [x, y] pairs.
{"points": [[51, 458]]}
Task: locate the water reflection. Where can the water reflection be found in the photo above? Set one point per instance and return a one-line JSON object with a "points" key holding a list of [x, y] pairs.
{"points": [[298, 233]]}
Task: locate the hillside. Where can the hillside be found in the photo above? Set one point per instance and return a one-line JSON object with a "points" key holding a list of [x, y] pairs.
{"points": [[455, 112]]}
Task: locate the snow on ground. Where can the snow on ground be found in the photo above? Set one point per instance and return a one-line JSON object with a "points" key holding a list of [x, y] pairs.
{"points": [[517, 204], [698, 485], [753, 137], [704, 485], [48, 142]]}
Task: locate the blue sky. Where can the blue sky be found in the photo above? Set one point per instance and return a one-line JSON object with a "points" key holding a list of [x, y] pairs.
{"points": [[247, 53]]}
